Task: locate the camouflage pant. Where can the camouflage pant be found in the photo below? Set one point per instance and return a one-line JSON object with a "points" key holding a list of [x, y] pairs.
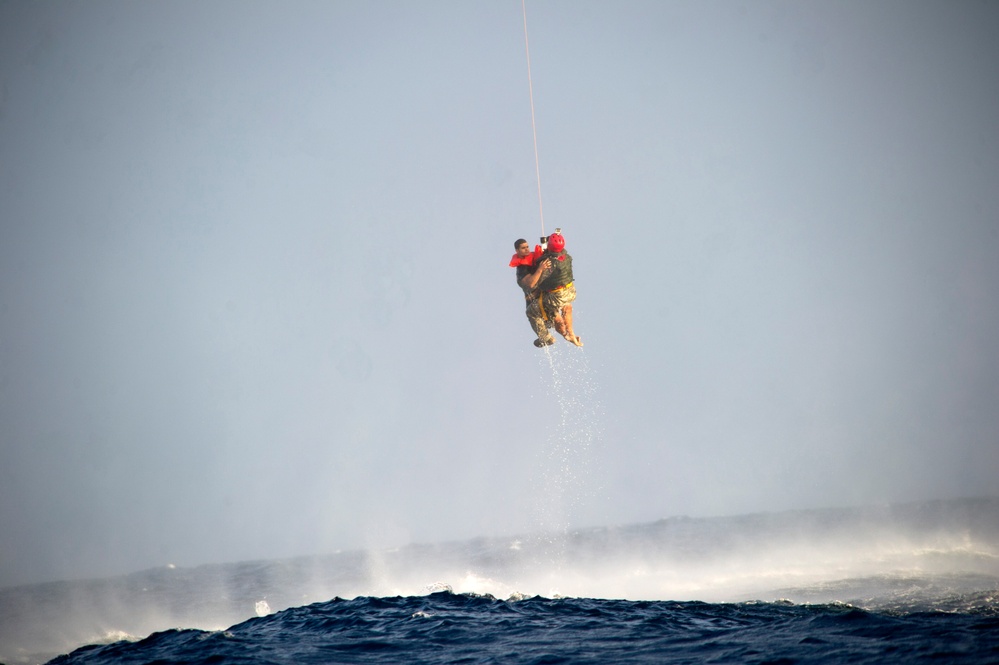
{"points": [[541, 312], [553, 301], [538, 323]]}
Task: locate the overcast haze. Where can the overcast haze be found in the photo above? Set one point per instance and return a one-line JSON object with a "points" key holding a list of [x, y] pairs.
{"points": [[254, 293]]}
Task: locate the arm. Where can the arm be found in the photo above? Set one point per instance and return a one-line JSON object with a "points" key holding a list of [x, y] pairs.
{"points": [[530, 281]]}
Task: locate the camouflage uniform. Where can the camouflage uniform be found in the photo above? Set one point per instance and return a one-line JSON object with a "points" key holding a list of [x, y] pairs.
{"points": [[556, 285], [557, 294], [538, 322]]}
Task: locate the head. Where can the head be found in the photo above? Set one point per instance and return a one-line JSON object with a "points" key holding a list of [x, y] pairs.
{"points": [[556, 242], [523, 249]]}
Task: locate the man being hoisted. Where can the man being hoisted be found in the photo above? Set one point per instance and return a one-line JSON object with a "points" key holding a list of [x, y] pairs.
{"points": [[525, 263], [553, 279]]}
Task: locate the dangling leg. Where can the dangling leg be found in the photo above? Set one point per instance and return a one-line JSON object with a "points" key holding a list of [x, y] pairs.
{"points": [[563, 299], [569, 334], [560, 324], [538, 325]]}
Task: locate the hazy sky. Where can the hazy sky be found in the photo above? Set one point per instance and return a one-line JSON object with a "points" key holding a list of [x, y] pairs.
{"points": [[254, 293]]}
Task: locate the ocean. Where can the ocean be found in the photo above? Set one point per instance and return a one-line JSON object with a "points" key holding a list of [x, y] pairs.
{"points": [[906, 583]]}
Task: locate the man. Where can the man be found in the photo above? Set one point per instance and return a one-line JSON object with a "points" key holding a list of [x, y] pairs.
{"points": [[524, 260], [557, 288]]}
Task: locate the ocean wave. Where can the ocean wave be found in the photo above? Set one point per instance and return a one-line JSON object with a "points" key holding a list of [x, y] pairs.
{"points": [[451, 628], [938, 557]]}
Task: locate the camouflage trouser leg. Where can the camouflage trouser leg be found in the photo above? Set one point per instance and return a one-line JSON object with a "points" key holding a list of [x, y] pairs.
{"points": [[554, 301], [557, 307], [537, 320]]}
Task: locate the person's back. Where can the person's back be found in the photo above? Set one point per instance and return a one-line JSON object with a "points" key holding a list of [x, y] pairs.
{"points": [[561, 274], [558, 289]]}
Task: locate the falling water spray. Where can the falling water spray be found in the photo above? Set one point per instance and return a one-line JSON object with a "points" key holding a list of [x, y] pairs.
{"points": [[572, 427]]}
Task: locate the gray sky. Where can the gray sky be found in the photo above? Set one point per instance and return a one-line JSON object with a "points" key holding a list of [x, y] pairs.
{"points": [[254, 294]]}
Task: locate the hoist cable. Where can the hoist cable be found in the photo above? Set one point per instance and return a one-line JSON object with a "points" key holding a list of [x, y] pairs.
{"points": [[534, 126]]}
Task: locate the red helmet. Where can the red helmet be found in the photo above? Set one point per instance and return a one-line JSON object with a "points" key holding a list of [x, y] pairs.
{"points": [[556, 242]]}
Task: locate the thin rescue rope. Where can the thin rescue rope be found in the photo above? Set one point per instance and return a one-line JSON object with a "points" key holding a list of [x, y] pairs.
{"points": [[534, 126]]}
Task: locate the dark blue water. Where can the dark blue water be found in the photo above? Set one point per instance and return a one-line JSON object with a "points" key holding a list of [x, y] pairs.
{"points": [[884, 584], [463, 628]]}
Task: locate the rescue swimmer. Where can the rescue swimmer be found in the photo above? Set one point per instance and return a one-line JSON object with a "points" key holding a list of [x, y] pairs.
{"points": [[552, 284]]}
